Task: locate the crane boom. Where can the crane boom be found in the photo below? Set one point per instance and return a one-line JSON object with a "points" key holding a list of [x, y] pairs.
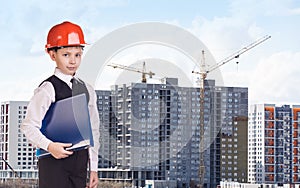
{"points": [[238, 53], [144, 73]]}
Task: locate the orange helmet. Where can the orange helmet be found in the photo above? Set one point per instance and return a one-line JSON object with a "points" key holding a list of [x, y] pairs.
{"points": [[65, 34]]}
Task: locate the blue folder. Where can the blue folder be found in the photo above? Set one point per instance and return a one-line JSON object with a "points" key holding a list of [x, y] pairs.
{"points": [[68, 121]]}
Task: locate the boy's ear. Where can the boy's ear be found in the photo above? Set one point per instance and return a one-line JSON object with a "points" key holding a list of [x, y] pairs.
{"points": [[52, 55]]}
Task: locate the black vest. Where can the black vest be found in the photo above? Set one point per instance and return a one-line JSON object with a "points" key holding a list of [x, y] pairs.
{"points": [[62, 90]]}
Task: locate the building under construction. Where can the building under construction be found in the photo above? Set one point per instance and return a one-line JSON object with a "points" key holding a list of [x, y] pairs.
{"points": [[151, 132]]}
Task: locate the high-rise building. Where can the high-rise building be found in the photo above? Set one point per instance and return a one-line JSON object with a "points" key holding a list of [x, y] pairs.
{"points": [[273, 141], [107, 151], [155, 131], [234, 153], [17, 156], [229, 149]]}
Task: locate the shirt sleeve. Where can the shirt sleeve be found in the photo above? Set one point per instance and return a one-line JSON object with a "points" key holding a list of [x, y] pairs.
{"points": [[36, 110], [95, 124]]}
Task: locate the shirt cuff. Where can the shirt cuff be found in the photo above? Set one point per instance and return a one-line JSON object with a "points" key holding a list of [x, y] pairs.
{"points": [[93, 160], [44, 144]]}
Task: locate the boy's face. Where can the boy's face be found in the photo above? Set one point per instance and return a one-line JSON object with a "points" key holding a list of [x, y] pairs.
{"points": [[67, 59]]}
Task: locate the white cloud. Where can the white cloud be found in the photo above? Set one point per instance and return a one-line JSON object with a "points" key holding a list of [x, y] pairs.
{"points": [[294, 11], [26, 24], [275, 79], [225, 35], [21, 89], [269, 72], [269, 8]]}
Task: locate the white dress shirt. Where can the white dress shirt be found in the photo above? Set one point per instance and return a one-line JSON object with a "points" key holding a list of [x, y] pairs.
{"points": [[39, 104]]}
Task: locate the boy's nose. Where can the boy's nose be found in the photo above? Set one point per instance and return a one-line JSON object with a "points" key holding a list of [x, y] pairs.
{"points": [[72, 60]]}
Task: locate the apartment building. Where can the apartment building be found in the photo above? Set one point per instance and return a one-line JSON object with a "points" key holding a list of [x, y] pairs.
{"points": [[273, 143], [107, 151], [17, 155], [156, 134], [231, 104], [234, 153]]}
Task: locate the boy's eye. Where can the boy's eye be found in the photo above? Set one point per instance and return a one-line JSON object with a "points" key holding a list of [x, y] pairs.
{"points": [[65, 55], [78, 55]]}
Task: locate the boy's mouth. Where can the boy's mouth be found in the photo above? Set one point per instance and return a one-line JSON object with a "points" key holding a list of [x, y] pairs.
{"points": [[71, 68]]}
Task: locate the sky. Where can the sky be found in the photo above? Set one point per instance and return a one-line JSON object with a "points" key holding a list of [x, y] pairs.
{"points": [[270, 70]]}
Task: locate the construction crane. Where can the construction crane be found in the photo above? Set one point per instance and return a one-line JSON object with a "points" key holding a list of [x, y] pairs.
{"points": [[203, 74], [143, 71]]}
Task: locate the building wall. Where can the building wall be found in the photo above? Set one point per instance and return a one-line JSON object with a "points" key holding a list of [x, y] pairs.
{"points": [[234, 152], [106, 155], [273, 144], [16, 153], [158, 131], [255, 143], [232, 107]]}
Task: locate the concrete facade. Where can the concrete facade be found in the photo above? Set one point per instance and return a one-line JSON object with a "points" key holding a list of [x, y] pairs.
{"points": [[274, 144]]}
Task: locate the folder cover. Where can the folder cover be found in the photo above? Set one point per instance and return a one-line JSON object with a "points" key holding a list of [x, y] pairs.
{"points": [[68, 121]]}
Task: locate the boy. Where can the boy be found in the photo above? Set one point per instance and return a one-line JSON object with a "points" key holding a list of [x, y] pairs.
{"points": [[64, 168]]}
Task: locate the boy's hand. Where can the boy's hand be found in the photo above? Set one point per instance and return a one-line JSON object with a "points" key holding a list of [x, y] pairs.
{"points": [[58, 151], [93, 180]]}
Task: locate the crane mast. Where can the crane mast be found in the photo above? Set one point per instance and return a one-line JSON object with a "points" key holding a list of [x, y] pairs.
{"points": [[203, 74], [203, 77]]}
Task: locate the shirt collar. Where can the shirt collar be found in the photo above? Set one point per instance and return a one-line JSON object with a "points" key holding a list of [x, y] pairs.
{"points": [[64, 77]]}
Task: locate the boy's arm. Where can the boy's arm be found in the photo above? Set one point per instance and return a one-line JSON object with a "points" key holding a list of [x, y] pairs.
{"points": [[95, 123], [36, 110]]}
